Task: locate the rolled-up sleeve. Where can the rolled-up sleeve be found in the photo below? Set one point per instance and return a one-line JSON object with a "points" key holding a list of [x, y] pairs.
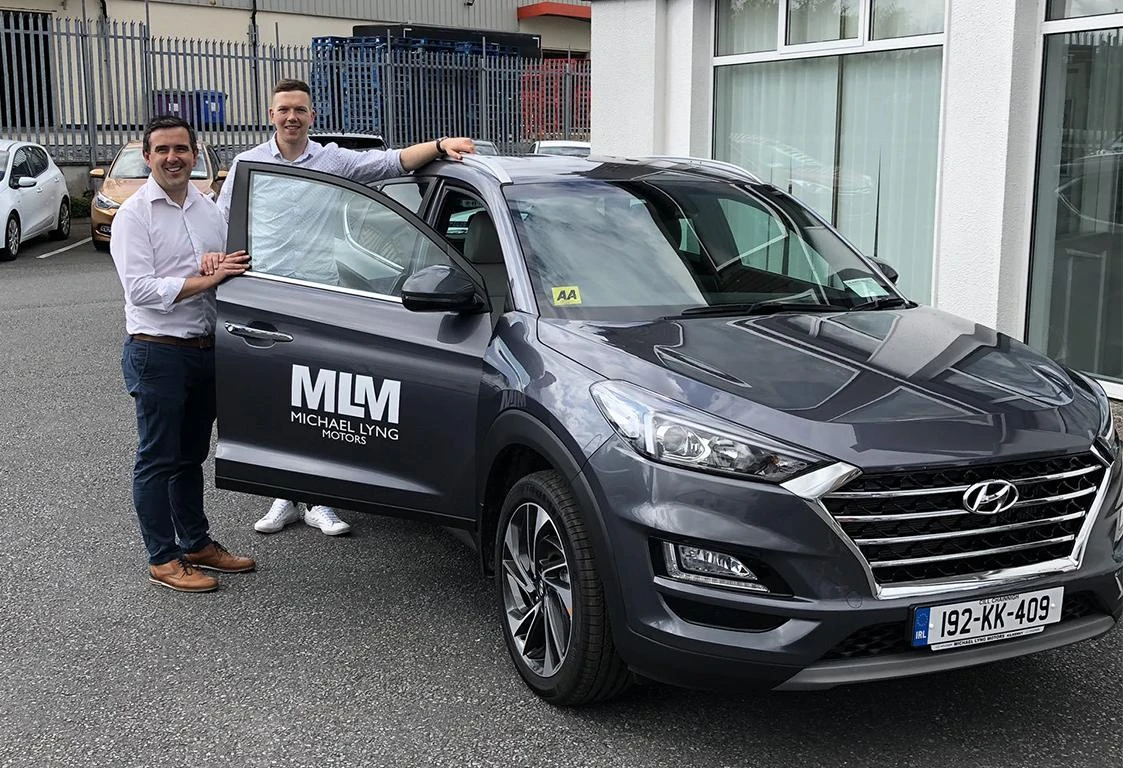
{"points": [[131, 246], [372, 165], [227, 190]]}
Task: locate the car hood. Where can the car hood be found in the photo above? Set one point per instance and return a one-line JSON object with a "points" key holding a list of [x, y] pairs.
{"points": [[120, 190], [876, 389]]}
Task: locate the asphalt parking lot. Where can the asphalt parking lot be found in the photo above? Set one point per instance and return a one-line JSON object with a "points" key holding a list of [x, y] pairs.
{"points": [[381, 648]]}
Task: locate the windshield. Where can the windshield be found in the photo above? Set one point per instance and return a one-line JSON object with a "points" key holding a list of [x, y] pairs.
{"points": [[130, 165], [668, 243]]}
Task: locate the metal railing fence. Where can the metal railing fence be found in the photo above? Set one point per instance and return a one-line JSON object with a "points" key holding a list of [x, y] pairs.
{"points": [[83, 88]]}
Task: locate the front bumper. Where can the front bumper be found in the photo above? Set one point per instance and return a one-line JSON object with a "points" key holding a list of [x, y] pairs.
{"points": [[101, 223], [825, 624]]}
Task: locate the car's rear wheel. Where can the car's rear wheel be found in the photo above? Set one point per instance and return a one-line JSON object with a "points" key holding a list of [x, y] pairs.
{"points": [[62, 231], [555, 620], [12, 234]]}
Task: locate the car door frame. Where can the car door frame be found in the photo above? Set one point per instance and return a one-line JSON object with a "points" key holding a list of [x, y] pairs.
{"points": [[237, 240]]}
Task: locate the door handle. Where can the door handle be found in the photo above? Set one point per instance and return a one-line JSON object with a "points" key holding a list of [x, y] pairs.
{"points": [[257, 333]]}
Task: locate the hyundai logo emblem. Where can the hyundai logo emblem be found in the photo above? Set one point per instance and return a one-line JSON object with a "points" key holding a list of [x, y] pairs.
{"points": [[990, 497]]}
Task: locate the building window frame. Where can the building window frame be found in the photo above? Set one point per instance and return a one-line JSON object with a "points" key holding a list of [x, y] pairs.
{"points": [[1048, 29]]}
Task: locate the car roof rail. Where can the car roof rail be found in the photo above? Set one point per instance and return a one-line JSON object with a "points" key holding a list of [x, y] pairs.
{"points": [[713, 165], [489, 165]]}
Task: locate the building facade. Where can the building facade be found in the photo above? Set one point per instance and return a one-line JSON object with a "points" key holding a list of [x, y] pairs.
{"points": [[562, 24], [977, 147]]}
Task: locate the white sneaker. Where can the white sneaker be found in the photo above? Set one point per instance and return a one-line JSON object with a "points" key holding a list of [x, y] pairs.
{"points": [[326, 520], [279, 515]]}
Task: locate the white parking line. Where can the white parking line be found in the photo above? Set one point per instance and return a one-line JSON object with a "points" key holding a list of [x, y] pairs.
{"points": [[67, 248]]}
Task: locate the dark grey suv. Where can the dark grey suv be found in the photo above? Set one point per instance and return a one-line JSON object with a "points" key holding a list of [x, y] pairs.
{"points": [[695, 435]]}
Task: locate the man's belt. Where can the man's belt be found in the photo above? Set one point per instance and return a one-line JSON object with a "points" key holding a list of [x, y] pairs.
{"points": [[195, 342]]}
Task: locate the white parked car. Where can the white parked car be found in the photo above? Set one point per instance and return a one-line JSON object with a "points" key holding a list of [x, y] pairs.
{"points": [[33, 196], [568, 148]]}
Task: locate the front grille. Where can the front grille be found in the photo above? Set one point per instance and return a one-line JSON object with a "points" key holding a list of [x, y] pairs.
{"points": [[894, 637], [913, 526]]}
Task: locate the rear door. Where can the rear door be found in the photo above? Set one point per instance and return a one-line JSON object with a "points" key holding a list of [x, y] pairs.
{"points": [[329, 389]]}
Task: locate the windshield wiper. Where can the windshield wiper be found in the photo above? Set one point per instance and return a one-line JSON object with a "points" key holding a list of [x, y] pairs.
{"points": [[763, 308], [883, 302]]}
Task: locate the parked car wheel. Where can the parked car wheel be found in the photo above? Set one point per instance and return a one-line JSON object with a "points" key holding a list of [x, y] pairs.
{"points": [[62, 231], [555, 619], [12, 233]]}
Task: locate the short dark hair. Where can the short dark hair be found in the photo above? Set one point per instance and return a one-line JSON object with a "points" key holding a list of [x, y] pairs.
{"points": [[169, 121], [290, 84]]}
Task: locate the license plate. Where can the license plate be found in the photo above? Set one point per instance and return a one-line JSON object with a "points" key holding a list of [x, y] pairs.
{"points": [[983, 621]]}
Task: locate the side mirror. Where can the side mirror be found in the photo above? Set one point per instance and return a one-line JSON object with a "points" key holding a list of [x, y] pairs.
{"points": [[98, 173], [886, 270], [441, 288], [26, 182]]}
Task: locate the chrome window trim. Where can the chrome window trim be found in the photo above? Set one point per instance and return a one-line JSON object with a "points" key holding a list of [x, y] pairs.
{"points": [[323, 286]]}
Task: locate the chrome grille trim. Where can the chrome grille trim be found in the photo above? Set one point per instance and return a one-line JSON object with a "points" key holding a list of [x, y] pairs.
{"points": [[920, 546], [979, 553], [970, 532], [956, 512], [954, 488]]}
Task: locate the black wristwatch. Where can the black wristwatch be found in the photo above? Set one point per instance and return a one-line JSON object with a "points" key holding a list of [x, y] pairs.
{"points": [[441, 151]]}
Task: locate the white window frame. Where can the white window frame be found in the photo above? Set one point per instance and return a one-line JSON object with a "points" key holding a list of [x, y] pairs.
{"points": [[1114, 389], [863, 43]]}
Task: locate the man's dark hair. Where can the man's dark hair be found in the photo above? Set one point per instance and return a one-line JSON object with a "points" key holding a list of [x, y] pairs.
{"points": [[289, 84], [170, 121]]}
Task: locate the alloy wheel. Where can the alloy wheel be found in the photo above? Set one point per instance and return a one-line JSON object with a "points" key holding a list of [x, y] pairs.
{"points": [[64, 221], [12, 237], [537, 593]]}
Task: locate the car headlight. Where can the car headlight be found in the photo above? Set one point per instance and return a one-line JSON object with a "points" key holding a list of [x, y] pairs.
{"points": [[673, 433], [105, 203]]}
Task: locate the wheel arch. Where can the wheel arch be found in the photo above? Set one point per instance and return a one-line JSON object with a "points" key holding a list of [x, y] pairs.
{"points": [[516, 445]]}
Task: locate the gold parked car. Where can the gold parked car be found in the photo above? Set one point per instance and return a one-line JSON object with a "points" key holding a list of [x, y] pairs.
{"points": [[125, 176]]}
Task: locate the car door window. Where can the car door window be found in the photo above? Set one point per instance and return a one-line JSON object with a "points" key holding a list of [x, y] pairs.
{"points": [[456, 208], [409, 193], [312, 230], [21, 164], [38, 160]]}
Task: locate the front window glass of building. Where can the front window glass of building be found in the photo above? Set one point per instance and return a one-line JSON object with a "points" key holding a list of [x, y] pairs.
{"points": [[747, 26], [854, 137], [904, 18], [815, 21], [1076, 296], [1067, 9]]}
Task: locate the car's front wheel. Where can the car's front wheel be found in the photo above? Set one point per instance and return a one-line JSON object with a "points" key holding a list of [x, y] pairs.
{"points": [[555, 620], [12, 234]]}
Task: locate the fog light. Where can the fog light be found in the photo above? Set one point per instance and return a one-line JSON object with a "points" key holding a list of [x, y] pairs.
{"points": [[705, 566]]}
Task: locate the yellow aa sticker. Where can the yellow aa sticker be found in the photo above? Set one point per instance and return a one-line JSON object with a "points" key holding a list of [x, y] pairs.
{"points": [[566, 294]]}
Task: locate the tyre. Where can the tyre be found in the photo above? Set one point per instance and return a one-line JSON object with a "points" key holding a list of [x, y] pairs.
{"points": [[12, 233], [555, 620], [62, 231]]}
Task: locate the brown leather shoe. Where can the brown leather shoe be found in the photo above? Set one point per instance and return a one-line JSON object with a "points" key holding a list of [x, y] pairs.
{"points": [[179, 575], [215, 557]]}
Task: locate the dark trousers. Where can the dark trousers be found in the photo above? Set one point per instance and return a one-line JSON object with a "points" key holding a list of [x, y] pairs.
{"points": [[174, 390]]}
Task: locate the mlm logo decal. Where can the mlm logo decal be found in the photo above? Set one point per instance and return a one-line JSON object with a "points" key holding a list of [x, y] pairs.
{"points": [[345, 406]]}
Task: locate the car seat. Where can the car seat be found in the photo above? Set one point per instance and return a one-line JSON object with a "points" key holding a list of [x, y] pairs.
{"points": [[482, 249]]}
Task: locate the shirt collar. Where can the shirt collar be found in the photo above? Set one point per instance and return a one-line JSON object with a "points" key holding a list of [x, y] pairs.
{"points": [[310, 150], [153, 192]]}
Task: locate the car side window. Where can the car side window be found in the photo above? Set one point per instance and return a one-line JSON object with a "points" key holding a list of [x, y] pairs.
{"points": [[314, 231], [763, 242], [452, 217], [21, 164], [409, 193], [38, 160]]}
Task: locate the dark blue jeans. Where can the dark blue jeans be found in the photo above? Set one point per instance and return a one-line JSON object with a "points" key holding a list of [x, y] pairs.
{"points": [[174, 390]]}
